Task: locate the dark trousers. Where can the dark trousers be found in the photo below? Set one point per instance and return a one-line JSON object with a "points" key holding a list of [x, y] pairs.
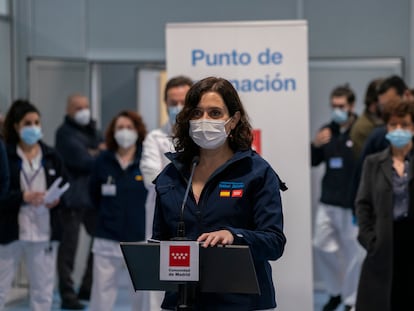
{"points": [[403, 266], [71, 221]]}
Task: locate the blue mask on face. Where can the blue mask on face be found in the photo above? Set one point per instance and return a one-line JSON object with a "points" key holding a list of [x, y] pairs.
{"points": [[31, 134], [399, 138], [173, 111], [339, 116]]}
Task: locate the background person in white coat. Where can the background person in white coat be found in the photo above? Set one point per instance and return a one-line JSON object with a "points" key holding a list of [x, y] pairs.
{"points": [[153, 160], [29, 222]]}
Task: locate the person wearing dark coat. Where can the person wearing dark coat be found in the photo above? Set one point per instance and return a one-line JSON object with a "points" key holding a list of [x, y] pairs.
{"points": [[385, 214], [4, 170], [334, 240], [78, 142]]}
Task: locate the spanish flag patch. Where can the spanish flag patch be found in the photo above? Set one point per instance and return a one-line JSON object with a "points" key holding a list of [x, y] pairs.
{"points": [[225, 193], [138, 177]]}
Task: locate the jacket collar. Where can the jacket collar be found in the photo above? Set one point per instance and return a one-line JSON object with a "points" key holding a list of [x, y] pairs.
{"points": [[385, 161], [90, 127], [112, 154], [12, 149], [184, 168], [174, 157]]}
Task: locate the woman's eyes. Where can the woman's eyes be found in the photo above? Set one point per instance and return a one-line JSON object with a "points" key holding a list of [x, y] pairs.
{"points": [[215, 113], [29, 123]]}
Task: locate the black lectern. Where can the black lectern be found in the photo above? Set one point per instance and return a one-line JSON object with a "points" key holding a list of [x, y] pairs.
{"points": [[222, 269]]}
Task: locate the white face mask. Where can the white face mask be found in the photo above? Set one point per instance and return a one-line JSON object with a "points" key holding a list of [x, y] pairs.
{"points": [[83, 116], [126, 138], [208, 134]]}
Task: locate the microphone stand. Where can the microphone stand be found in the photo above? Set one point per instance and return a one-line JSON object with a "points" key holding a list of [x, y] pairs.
{"points": [[186, 291]]}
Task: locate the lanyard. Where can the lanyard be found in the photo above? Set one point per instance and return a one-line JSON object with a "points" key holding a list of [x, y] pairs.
{"points": [[28, 180]]}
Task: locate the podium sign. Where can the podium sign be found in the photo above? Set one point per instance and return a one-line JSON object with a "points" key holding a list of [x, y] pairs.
{"points": [[179, 261]]}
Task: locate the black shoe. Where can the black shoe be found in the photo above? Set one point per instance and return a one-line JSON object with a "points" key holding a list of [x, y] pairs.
{"points": [[72, 305], [347, 308], [332, 304], [84, 295]]}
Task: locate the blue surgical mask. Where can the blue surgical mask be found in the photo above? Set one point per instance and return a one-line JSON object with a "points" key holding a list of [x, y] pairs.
{"points": [[31, 134], [399, 138], [339, 116], [173, 111]]}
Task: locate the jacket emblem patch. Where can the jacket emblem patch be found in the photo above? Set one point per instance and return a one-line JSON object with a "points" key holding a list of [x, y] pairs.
{"points": [[231, 189]]}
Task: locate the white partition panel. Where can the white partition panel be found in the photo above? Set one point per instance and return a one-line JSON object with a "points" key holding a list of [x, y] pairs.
{"points": [[267, 61]]}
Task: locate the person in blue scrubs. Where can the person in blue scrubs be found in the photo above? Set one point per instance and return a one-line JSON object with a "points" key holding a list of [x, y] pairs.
{"points": [[119, 195], [234, 197]]}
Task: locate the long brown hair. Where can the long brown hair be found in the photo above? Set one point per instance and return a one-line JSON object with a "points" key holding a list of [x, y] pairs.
{"points": [[240, 137]]}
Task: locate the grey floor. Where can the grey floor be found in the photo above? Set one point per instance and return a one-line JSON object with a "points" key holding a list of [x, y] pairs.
{"points": [[22, 303]]}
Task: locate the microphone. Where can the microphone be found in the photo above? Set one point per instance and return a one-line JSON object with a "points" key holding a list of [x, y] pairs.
{"points": [[181, 224]]}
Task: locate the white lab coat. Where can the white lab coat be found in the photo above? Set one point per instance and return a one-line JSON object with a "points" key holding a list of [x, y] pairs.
{"points": [[153, 160]]}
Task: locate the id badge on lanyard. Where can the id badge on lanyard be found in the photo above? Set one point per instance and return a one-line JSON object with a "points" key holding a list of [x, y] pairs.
{"points": [[109, 188], [336, 163]]}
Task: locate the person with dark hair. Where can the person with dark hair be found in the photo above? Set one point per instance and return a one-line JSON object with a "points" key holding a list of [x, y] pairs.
{"points": [[4, 170], [79, 142], [234, 196], [370, 118], [335, 234], [385, 213], [119, 195], [159, 141], [391, 89], [29, 221], [156, 144]]}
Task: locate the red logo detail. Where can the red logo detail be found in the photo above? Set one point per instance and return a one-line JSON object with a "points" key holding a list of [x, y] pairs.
{"points": [[257, 141], [237, 193], [179, 255]]}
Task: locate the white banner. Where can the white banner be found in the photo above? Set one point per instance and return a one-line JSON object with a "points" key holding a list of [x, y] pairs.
{"points": [[267, 62]]}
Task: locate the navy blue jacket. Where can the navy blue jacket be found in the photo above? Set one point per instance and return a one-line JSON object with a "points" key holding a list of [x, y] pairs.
{"points": [[72, 143], [120, 217], [4, 170], [11, 203], [336, 185], [241, 196]]}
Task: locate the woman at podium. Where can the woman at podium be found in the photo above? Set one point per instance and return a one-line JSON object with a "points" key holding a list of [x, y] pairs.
{"points": [[234, 195]]}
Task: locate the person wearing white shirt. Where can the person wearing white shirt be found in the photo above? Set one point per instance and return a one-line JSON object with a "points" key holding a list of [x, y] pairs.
{"points": [[156, 144], [29, 223]]}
